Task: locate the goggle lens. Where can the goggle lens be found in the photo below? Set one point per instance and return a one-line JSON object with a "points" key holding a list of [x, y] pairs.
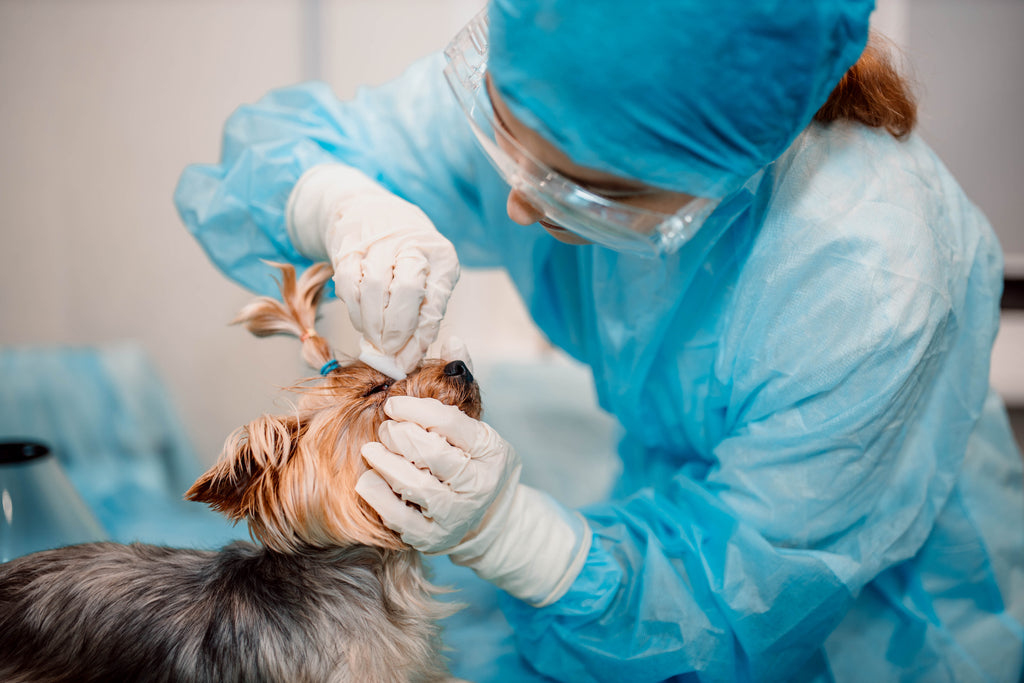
{"points": [[602, 220]]}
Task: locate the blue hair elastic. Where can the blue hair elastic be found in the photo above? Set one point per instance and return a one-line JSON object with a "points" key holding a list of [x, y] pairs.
{"points": [[329, 367]]}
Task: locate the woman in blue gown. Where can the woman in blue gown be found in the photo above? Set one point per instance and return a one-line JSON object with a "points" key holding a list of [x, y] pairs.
{"points": [[818, 482]]}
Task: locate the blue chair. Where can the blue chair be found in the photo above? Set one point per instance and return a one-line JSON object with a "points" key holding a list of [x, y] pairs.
{"points": [[107, 416]]}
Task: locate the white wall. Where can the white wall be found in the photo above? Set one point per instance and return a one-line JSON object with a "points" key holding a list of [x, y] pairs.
{"points": [[970, 58], [105, 101]]}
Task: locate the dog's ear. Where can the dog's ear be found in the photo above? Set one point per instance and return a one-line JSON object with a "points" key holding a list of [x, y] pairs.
{"points": [[249, 454]]}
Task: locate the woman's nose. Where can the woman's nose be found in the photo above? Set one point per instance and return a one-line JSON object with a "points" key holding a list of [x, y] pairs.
{"points": [[520, 210]]}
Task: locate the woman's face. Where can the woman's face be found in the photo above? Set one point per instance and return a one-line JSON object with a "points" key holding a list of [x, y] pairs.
{"points": [[600, 183]]}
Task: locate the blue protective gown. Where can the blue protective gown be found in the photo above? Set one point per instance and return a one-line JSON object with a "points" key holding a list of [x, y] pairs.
{"points": [[818, 482]]}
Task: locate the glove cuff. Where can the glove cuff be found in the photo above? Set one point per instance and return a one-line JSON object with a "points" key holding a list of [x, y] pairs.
{"points": [[537, 552], [318, 199]]}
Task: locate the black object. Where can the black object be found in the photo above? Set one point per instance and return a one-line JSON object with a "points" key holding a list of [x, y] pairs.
{"points": [[1013, 294], [12, 452]]}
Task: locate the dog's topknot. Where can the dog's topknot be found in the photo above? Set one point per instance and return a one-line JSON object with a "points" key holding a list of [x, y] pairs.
{"points": [[295, 314]]}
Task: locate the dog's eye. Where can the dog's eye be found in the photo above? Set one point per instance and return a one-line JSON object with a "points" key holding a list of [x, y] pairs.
{"points": [[377, 389]]}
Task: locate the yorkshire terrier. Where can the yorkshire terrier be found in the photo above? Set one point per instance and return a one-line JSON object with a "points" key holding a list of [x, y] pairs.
{"points": [[327, 594]]}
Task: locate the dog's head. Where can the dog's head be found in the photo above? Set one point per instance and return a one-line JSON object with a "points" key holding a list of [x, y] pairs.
{"points": [[293, 477]]}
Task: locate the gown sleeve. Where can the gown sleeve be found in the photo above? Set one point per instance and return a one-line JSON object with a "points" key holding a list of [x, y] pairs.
{"points": [[408, 134]]}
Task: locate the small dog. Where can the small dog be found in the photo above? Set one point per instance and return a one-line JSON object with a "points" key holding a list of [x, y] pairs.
{"points": [[328, 594]]}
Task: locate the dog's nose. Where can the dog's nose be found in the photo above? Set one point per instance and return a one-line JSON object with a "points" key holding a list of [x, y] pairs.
{"points": [[458, 369]]}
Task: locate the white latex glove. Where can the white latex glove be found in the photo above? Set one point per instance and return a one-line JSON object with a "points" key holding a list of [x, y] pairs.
{"points": [[464, 478], [392, 268]]}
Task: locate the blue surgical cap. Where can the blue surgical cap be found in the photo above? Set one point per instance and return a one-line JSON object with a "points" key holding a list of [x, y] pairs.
{"points": [[690, 95]]}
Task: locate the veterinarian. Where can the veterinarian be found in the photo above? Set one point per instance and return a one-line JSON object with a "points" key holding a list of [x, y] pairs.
{"points": [[785, 299]]}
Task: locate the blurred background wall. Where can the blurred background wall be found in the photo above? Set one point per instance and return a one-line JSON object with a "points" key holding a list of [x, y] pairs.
{"points": [[105, 101]]}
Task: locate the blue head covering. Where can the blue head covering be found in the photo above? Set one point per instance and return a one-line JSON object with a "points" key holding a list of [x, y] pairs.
{"points": [[690, 95]]}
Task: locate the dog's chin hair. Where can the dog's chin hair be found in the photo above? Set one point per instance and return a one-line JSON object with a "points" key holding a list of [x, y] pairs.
{"points": [[331, 594]]}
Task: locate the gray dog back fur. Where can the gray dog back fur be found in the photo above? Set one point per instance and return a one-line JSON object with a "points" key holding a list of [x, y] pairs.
{"points": [[109, 612]]}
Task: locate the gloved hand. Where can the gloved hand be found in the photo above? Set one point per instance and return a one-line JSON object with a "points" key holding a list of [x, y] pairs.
{"points": [[464, 478], [392, 268]]}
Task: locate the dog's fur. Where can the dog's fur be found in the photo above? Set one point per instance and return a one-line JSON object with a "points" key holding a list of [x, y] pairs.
{"points": [[328, 594]]}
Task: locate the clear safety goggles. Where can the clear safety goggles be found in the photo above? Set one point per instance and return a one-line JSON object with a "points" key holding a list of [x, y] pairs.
{"points": [[598, 218]]}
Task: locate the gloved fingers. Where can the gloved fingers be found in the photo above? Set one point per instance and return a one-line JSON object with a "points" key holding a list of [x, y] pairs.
{"points": [[454, 348], [396, 515], [406, 480], [409, 356], [426, 450], [444, 264], [441, 276], [415, 349], [405, 299], [472, 436], [435, 303], [348, 276], [375, 284], [428, 324]]}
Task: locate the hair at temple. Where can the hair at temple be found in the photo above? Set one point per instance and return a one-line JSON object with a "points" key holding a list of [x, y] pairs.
{"points": [[873, 92]]}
